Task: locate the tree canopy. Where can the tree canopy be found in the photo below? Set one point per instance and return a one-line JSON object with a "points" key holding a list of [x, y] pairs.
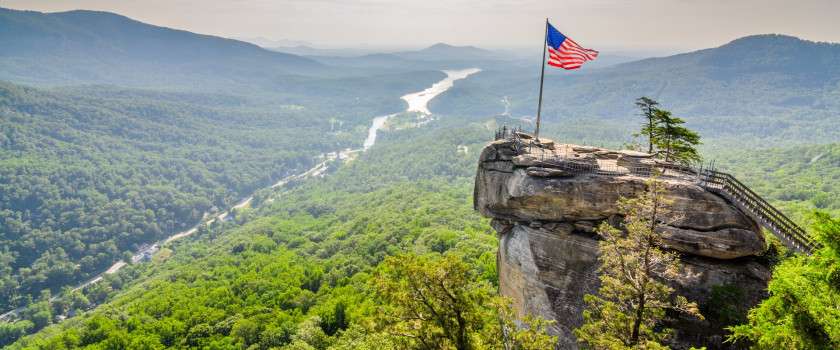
{"points": [[633, 298], [435, 304], [665, 137], [802, 310]]}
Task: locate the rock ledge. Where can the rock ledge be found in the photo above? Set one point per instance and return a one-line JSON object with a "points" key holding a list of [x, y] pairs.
{"points": [[547, 202]]}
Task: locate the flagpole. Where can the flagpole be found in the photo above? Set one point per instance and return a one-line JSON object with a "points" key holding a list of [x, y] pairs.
{"points": [[542, 78]]}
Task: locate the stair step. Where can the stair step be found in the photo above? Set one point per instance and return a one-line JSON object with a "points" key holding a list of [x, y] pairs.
{"points": [[776, 222]]}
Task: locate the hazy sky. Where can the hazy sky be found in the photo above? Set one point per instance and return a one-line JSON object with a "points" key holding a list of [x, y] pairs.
{"points": [[597, 24]]}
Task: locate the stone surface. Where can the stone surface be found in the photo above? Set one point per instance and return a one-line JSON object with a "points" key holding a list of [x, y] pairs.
{"points": [[547, 172], [548, 273], [508, 190], [548, 250]]}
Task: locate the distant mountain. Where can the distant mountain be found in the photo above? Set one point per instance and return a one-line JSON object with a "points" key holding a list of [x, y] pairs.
{"points": [[308, 50], [758, 54], [444, 52], [767, 90], [757, 72], [437, 57], [816, 63], [268, 43], [99, 47]]}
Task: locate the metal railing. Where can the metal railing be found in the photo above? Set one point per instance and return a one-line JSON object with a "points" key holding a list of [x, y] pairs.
{"points": [[582, 167], [714, 181], [506, 132], [764, 213]]}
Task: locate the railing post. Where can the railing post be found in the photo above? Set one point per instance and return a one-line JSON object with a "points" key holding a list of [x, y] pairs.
{"points": [[773, 220]]}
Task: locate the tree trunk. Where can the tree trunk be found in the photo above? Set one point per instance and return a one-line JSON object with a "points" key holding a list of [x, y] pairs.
{"points": [[637, 323], [461, 341], [650, 134]]}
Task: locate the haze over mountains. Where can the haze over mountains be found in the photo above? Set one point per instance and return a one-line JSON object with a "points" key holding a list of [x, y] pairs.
{"points": [[98, 47], [116, 133], [772, 89], [84, 47]]}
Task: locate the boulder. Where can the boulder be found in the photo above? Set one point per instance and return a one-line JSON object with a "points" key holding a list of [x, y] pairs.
{"points": [[525, 192], [547, 274], [547, 214]]}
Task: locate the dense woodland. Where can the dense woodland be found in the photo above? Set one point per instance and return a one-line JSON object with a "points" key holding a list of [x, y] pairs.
{"points": [[294, 269], [111, 151], [89, 173], [301, 258]]}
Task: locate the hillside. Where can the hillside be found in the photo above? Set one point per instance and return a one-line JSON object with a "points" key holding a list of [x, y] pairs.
{"points": [[760, 91], [133, 132], [300, 253], [89, 173], [79, 47], [86, 178]]}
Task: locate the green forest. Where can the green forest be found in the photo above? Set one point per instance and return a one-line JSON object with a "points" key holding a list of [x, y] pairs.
{"points": [[110, 146], [294, 269], [88, 173], [299, 258]]}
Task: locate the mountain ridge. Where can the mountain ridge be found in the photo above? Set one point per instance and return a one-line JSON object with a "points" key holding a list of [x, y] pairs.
{"points": [[765, 90], [443, 52], [756, 52], [92, 46]]}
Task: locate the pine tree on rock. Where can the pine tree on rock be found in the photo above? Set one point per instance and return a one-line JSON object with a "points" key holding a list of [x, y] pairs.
{"points": [[674, 141], [649, 128], [665, 136], [632, 300]]}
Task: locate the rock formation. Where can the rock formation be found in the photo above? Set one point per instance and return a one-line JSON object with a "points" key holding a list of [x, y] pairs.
{"points": [[547, 201]]}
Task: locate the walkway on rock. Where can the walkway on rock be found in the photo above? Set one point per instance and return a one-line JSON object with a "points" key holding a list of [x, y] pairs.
{"points": [[721, 183]]}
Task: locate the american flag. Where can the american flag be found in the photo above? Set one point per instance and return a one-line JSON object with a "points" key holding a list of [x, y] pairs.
{"points": [[565, 53]]}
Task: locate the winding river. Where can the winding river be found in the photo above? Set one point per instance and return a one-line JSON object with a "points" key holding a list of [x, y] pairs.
{"points": [[418, 101]]}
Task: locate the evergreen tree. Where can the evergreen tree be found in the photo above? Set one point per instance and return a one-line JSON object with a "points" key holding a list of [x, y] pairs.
{"points": [[802, 310], [674, 141], [649, 128], [633, 299], [664, 134], [436, 304]]}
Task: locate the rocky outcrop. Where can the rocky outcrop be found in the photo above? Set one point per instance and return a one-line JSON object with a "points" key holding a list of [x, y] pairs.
{"points": [[547, 203]]}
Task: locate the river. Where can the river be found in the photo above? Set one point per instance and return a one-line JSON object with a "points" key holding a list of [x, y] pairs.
{"points": [[418, 101]]}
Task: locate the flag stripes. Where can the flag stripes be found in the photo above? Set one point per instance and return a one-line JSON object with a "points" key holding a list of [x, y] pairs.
{"points": [[564, 52]]}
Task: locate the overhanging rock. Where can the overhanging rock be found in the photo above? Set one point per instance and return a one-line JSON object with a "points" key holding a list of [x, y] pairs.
{"points": [[547, 202]]}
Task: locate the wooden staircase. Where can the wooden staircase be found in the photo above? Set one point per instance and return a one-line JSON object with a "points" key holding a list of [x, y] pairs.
{"points": [[765, 214]]}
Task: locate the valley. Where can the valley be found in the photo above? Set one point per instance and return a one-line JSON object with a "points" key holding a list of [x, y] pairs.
{"points": [[416, 102], [267, 192]]}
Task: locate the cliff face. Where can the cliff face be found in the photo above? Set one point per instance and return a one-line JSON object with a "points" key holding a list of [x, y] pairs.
{"points": [[547, 202]]}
